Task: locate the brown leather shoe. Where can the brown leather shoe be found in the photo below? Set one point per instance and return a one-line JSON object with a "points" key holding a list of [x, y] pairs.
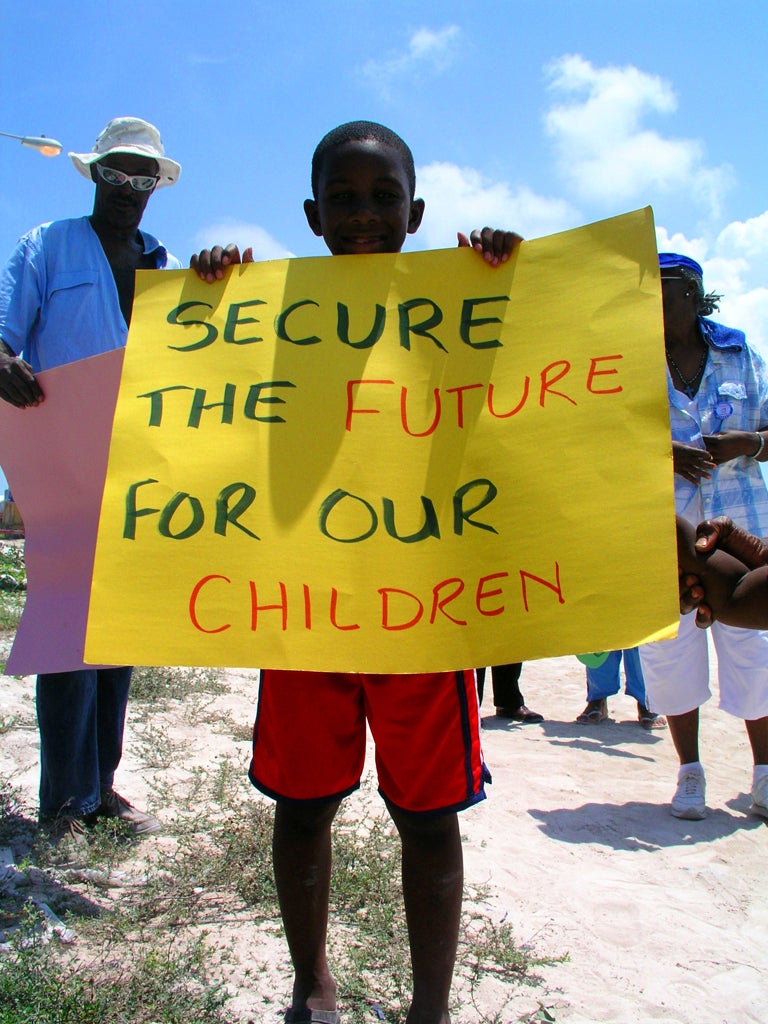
{"points": [[115, 806], [522, 714]]}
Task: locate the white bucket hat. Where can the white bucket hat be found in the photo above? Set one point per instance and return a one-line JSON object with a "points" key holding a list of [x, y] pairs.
{"points": [[129, 135]]}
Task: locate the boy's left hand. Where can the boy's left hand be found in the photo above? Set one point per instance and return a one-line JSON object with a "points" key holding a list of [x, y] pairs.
{"points": [[493, 244]]}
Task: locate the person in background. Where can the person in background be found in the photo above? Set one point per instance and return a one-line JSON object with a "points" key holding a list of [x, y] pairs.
{"points": [[67, 293], [507, 696], [718, 402], [604, 681]]}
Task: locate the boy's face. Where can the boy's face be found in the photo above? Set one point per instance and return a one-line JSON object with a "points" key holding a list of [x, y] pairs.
{"points": [[363, 200]]}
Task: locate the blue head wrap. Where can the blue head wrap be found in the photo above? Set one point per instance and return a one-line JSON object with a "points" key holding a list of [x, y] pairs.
{"points": [[667, 260]]}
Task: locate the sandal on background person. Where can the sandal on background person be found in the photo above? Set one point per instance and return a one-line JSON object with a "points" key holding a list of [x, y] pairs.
{"points": [[595, 712]]}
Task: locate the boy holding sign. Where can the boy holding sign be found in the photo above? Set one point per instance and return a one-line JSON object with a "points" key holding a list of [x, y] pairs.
{"points": [[310, 731]]}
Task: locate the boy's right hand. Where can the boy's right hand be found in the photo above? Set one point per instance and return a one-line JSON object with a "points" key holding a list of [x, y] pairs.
{"points": [[210, 264]]}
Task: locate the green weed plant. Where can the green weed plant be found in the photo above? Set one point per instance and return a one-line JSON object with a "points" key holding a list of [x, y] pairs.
{"points": [[147, 953]]}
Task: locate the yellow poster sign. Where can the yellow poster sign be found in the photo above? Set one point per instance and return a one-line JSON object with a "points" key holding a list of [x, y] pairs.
{"points": [[392, 463]]}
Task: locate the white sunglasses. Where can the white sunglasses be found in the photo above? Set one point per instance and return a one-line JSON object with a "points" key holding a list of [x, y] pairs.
{"points": [[139, 182]]}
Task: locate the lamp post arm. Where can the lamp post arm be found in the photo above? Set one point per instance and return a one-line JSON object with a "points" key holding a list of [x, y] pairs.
{"points": [[44, 145]]}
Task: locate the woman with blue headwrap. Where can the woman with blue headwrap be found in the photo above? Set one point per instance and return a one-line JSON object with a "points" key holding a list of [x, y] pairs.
{"points": [[718, 402]]}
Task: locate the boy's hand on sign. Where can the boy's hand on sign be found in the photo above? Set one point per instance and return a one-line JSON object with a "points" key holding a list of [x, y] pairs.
{"points": [[493, 244], [210, 264]]}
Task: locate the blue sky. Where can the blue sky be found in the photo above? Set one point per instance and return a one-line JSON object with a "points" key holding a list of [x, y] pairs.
{"points": [[538, 116]]}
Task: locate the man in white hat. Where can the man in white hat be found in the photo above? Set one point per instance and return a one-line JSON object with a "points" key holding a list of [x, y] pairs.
{"points": [[67, 293]]}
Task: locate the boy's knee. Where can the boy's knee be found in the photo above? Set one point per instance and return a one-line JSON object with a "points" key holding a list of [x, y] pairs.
{"points": [[306, 815], [422, 826]]}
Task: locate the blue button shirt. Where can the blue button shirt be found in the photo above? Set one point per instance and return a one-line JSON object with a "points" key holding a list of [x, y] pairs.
{"points": [[58, 298]]}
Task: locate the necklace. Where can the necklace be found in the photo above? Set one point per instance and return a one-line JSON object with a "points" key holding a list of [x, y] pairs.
{"points": [[690, 384]]}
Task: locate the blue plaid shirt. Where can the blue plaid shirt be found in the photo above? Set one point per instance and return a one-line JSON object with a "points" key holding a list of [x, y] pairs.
{"points": [[733, 395]]}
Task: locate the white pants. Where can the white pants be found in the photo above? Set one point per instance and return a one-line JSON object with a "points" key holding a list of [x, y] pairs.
{"points": [[677, 671]]}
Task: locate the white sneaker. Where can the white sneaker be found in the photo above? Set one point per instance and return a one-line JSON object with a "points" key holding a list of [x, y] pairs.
{"points": [[688, 801], [760, 797]]}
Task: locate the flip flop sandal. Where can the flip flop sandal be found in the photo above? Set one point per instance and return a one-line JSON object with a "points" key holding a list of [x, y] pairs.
{"points": [[593, 717], [648, 720]]}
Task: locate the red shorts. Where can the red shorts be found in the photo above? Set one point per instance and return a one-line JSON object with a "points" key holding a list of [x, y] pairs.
{"points": [[310, 734]]}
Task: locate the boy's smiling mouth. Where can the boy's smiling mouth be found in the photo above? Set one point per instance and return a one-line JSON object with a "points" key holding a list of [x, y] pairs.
{"points": [[364, 241]]}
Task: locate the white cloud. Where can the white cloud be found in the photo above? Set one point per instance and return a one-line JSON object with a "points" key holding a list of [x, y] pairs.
{"points": [[696, 248], [749, 312], [243, 234], [428, 50], [460, 199], [741, 270], [749, 238], [605, 151], [435, 47]]}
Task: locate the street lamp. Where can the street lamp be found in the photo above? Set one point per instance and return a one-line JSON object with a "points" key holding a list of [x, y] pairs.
{"points": [[48, 147]]}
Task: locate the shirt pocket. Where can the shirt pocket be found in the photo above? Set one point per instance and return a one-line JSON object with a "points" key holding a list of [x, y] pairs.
{"points": [[61, 285]]}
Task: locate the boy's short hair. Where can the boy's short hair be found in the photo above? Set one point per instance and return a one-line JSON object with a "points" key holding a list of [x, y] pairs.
{"points": [[363, 131]]}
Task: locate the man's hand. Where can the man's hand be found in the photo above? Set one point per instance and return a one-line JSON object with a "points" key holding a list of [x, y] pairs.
{"points": [[493, 244], [18, 384], [210, 264], [721, 533]]}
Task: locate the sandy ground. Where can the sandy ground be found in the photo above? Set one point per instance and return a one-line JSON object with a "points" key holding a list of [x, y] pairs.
{"points": [[662, 919], [658, 919]]}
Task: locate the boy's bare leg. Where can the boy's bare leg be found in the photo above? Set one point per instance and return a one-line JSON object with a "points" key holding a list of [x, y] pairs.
{"points": [[301, 853], [684, 730], [757, 730], [433, 878]]}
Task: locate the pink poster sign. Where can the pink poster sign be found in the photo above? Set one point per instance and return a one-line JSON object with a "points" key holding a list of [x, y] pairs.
{"points": [[55, 459]]}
